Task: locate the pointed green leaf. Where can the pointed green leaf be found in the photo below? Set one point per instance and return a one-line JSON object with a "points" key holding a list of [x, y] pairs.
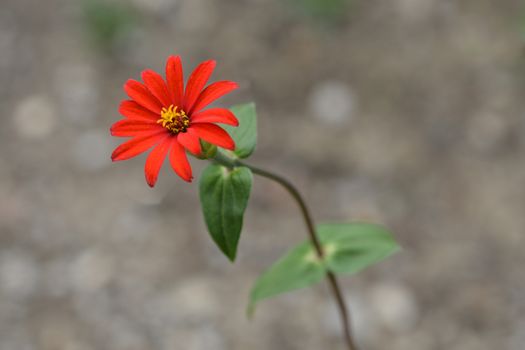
{"points": [[224, 195], [299, 268], [350, 248], [244, 135]]}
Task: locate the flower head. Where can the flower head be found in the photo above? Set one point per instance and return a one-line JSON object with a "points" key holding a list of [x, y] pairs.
{"points": [[170, 119]]}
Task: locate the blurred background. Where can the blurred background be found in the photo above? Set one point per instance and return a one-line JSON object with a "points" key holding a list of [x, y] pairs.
{"points": [[408, 112]]}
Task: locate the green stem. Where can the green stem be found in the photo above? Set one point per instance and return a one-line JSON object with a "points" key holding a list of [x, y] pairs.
{"points": [[332, 280]]}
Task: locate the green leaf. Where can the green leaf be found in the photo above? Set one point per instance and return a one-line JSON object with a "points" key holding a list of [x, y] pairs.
{"points": [[224, 195], [350, 248], [244, 135], [299, 268]]}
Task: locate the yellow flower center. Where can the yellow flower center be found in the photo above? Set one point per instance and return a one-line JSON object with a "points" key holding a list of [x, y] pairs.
{"points": [[173, 120]]}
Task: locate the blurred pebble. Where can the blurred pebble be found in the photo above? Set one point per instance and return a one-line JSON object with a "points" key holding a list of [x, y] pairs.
{"points": [[18, 274], [76, 86], [90, 271], [35, 117], [332, 102], [395, 307], [91, 150]]}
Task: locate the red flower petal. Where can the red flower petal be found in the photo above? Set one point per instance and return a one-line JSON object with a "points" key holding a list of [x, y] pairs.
{"points": [[179, 161], [143, 110], [132, 110], [214, 134], [155, 160], [196, 83], [215, 115], [190, 141], [140, 94], [157, 86], [175, 78], [137, 145], [129, 127], [213, 92]]}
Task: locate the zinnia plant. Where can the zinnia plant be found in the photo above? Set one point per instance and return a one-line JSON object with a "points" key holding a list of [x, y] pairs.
{"points": [[164, 115], [171, 120]]}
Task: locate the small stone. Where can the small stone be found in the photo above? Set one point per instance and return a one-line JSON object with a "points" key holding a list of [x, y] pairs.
{"points": [[92, 149], [35, 117], [332, 102]]}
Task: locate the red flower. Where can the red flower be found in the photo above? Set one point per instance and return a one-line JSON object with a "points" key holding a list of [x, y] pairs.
{"points": [[163, 115]]}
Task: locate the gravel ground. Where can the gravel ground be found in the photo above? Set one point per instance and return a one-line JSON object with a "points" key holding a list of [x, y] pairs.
{"points": [[408, 112]]}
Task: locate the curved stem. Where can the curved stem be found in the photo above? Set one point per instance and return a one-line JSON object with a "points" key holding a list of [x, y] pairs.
{"points": [[332, 280], [297, 197]]}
